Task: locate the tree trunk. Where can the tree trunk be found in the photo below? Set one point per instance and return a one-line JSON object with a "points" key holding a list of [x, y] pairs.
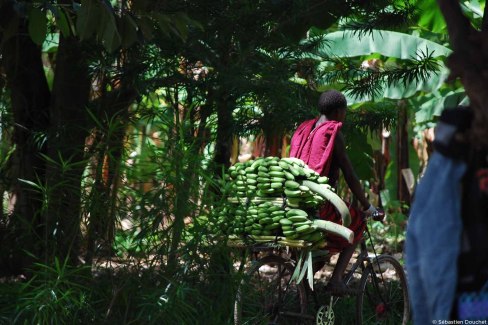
{"points": [[224, 133], [203, 114], [402, 152], [30, 98], [69, 129], [186, 166], [97, 197], [115, 105], [468, 62], [259, 146], [273, 144]]}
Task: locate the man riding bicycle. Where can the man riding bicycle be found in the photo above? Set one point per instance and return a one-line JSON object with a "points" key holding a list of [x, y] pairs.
{"points": [[320, 144]]}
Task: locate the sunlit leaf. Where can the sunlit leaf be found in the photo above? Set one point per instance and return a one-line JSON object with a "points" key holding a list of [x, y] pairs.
{"points": [[434, 107], [51, 43], [34, 185], [431, 17], [387, 43]]}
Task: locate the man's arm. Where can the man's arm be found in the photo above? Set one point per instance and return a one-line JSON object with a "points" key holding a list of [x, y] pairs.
{"points": [[348, 171]]}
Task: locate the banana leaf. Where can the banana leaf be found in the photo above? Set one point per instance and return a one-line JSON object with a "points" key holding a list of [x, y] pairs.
{"points": [[434, 107], [387, 43], [347, 44]]}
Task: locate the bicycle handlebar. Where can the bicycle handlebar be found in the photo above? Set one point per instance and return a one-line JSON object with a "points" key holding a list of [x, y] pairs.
{"points": [[378, 215]]}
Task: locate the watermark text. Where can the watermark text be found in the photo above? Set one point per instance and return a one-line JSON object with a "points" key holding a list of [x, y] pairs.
{"points": [[459, 322]]}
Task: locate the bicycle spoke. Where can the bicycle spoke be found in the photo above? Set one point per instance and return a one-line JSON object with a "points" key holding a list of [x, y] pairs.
{"points": [[267, 293], [385, 297]]}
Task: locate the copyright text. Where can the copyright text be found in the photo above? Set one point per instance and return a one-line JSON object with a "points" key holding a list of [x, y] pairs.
{"points": [[458, 322]]}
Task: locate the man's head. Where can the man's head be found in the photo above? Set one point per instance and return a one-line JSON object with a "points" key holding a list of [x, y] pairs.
{"points": [[333, 104]]}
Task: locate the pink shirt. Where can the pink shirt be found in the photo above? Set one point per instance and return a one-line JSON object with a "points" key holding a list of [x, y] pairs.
{"points": [[315, 146]]}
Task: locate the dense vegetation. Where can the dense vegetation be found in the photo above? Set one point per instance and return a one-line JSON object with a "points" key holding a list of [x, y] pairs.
{"points": [[119, 117]]}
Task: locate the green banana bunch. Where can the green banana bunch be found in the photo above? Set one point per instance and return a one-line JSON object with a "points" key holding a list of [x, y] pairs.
{"points": [[273, 177], [297, 225], [256, 191]]}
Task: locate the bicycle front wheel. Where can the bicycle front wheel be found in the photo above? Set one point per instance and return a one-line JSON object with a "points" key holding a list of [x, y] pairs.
{"points": [[384, 298], [267, 296]]}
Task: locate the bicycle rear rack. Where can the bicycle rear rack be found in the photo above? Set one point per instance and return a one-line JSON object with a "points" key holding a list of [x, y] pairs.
{"points": [[297, 315]]}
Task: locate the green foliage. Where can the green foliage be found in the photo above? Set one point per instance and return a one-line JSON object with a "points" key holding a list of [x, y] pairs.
{"points": [[144, 296], [431, 17], [398, 65], [55, 294], [373, 15], [433, 105], [389, 236], [360, 152], [387, 43], [37, 25], [128, 243], [371, 116], [175, 304], [112, 26]]}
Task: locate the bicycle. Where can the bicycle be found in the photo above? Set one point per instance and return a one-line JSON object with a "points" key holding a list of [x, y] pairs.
{"points": [[267, 296]]}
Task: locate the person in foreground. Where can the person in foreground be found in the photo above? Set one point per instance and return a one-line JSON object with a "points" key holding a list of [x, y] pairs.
{"points": [[320, 144]]}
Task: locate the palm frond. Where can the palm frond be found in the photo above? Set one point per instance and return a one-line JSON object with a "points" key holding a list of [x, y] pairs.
{"points": [[374, 15], [372, 116], [371, 82]]}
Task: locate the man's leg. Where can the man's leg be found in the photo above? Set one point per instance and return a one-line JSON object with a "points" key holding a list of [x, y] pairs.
{"points": [[342, 262]]}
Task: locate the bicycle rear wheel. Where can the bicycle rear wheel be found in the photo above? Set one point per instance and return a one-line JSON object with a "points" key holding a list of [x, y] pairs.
{"points": [[267, 296], [384, 298]]}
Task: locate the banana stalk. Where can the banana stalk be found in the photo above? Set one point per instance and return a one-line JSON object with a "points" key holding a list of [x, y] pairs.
{"points": [[295, 243], [332, 198], [334, 229], [276, 201]]}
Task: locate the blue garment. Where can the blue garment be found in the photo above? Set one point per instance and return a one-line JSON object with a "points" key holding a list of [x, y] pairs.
{"points": [[434, 239]]}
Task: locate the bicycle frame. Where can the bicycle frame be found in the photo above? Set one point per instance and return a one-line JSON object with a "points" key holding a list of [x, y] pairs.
{"points": [[362, 257], [365, 261]]}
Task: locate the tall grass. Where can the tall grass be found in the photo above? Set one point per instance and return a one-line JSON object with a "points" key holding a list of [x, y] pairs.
{"points": [[160, 267], [55, 294]]}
